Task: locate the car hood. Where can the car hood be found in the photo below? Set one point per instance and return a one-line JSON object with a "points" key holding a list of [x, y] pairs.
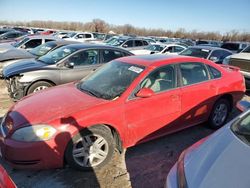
{"points": [[140, 52], [22, 66], [14, 53], [241, 55], [221, 161], [51, 104]]}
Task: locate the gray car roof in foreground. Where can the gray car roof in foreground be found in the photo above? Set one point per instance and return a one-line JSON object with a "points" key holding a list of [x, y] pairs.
{"points": [[43, 37], [100, 46]]}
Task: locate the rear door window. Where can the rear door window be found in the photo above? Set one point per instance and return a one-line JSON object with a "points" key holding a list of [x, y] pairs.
{"points": [[138, 43], [109, 55], [86, 57], [192, 73]]}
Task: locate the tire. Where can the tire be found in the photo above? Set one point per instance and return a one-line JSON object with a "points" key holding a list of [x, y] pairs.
{"points": [[219, 113], [38, 86], [99, 144]]}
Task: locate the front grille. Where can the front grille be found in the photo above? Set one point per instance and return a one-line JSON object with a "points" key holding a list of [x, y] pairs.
{"points": [[243, 64], [6, 125], [4, 131]]}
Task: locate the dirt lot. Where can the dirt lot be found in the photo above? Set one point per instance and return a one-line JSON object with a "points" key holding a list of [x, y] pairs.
{"points": [[145, 165]]}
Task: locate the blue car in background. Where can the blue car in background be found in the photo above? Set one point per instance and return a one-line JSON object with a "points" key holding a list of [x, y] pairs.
{"points": [[221, 160]]}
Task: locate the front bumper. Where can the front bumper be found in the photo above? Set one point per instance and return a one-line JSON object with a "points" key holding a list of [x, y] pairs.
{"points": [[172, 181], [16, 89], [36, 155], [33, 155]]}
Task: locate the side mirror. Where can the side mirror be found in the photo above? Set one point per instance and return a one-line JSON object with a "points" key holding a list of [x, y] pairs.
{"points": [[144, 93], [69, 64], [214, 59], [243, 105], [23, 46], [124, 45]]}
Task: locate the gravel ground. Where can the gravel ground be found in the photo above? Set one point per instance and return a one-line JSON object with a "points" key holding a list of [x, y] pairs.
{"points": [[145, 165]]}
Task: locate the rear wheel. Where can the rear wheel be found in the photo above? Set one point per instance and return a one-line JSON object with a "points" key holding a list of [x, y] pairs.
{"points": [[91, 148], [38, 86], [219, 113]]}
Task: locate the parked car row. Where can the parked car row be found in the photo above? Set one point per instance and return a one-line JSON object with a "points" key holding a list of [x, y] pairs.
{"points": [[110, 99]]}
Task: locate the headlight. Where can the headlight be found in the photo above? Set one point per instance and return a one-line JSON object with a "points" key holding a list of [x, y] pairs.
{"points": [[182, 182], [34, 133]]}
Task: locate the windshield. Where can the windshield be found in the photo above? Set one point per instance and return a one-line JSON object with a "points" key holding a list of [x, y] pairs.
{"points": [[246, 50], [102, 85], [20, 43], [196, 52], [43, 49], [158, 48], [57, 55], [242, 127], [99, 36]]}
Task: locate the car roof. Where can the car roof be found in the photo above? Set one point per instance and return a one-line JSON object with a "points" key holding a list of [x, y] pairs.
{"points": [[208, 47], [42, 37], [63, 42], [99, 46], [154, 60]]}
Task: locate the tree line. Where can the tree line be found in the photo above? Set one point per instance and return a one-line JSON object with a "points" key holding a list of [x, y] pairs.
{"points": [[98, 25]]}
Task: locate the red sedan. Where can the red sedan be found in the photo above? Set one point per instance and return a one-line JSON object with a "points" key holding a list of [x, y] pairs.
{"points": [[126, 102]]}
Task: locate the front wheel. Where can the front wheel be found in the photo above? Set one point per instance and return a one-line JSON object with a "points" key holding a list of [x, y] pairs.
{"points": [[91, 148], [219, 113], [38, 86]]}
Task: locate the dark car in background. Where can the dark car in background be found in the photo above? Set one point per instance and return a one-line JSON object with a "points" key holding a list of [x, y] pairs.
{"points": [[11, 36], [209, 43], [2, 31], [214, 54], [235, 47], [63, 65]]}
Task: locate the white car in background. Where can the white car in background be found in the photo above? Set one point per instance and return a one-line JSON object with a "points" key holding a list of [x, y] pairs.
{"points": [[160, 48], [80, 36]]}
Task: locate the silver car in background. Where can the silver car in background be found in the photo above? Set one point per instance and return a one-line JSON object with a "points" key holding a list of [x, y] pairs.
{"points": [[63, 65]]}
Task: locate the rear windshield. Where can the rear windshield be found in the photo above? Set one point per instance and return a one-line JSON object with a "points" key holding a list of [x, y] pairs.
{"points": [[196, 52], [241, 127]]}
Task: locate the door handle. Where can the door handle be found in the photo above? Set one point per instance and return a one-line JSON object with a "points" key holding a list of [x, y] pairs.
{"points": [[212, 87], [174, 97]]}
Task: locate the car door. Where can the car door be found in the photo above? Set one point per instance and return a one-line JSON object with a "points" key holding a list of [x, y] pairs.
{"points": [[198, 93], [151, 117], [84, 62]]}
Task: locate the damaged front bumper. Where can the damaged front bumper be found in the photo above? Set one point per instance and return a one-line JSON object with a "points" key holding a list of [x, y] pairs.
{"points": [[16, 89]]}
